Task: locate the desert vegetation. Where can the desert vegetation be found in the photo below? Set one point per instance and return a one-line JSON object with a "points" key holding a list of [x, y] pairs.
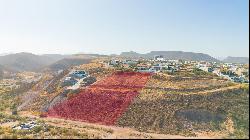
{"points": [[185, 103], [182, 84], [45, 131], [206, 109]]}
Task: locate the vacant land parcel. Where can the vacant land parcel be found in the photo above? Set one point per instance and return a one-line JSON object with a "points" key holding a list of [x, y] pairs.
{"points": [[103, 102]]}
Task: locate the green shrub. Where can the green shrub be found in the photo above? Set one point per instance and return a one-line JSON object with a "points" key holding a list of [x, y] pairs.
{"points": [[37, 129]]}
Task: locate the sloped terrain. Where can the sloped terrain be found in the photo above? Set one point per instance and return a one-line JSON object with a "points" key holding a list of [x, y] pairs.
{"points": [[175, 111], [1, 72], [67, 63], [95, 107], [105, 101], [27, 61]]}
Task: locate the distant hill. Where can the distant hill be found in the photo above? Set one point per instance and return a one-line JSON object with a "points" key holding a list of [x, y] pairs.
{"points": [[87, 56], [243, 60], [28, 61], [133, 54], [55, 57], [68, 62], [31, 62], [73, 60], [172, 55], [1, 71]]}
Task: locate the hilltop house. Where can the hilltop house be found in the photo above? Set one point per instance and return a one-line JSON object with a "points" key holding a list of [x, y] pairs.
{"points": [[216, 71], [158, 58], [207, 69], [69, 81], [241, 71], [78, 74], [114, 62], [129, 62], [160, 67], [145, 69]]}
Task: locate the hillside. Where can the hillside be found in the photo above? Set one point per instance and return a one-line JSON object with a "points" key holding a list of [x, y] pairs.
{"points": [[55, 57], [67, 63], [27, 61], [1, 71], [73, 60], [172, 55], [31, 62], [165, 105], [132, 54], [170, 106], [243, 60], [182, 104]]}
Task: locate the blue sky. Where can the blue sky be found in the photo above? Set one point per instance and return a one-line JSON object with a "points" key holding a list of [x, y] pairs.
{"points": [[217, 27]]}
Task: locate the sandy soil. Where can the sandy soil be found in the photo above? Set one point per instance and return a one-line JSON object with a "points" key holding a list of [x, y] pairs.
{"points": [[111, 132]]}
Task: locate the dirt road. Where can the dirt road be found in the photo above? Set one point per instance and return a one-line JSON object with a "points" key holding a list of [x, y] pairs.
{"points": [[107, 132]]}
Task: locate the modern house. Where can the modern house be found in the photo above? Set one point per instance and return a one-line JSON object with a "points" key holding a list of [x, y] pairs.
{"points": [[69, 81], [158, 58], [145, 69], [207, 69], [78, 74]]}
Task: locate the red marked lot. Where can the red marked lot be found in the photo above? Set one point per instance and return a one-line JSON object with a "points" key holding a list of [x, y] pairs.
{"points": [[123, 80], [105, 101]]}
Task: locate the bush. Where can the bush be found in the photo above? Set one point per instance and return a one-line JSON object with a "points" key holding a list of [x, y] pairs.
{"points": [[37, 129], [1, 131], [197, 71]]}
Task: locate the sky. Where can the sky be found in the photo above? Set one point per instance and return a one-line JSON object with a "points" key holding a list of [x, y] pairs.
{"points": [[219, 28]]}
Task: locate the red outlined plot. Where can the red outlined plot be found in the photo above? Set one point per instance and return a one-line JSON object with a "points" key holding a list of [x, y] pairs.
{"points": [[103, 102]]}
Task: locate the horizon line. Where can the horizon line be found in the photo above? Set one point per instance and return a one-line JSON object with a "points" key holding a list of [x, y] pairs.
{"points": [[217, 57]]}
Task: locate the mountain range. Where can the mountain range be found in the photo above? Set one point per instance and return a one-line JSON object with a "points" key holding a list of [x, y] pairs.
{"points": [[186, 56], [28, 61], [243, 60], [172, 55], [31, 62]]}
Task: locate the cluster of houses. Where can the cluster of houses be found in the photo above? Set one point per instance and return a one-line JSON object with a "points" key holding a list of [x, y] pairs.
{"points": [[158, 64], [233, 72], [74, 79], [158, 67]]}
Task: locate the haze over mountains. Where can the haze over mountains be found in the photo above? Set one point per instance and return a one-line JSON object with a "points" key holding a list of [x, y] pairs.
{"points": [[173, 55], [27, 61], [31, 62], [186, 56], [1, 71], [230, 59]]}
